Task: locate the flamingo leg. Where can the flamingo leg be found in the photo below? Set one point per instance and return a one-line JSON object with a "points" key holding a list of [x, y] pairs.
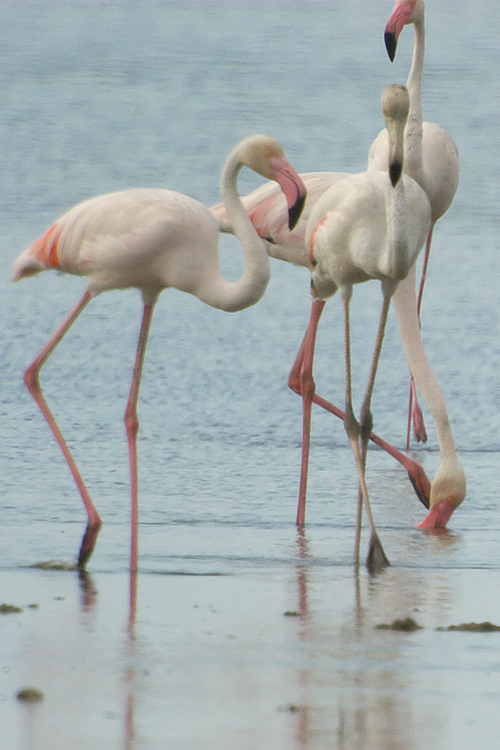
{"points": [[132, 428], [416, 474], [376, 557], [410, 410], [301, 381], [414, 411], [31, 379]]}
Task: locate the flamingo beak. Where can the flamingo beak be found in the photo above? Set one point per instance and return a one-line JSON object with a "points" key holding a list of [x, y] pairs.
{"points": [[395, 172], [292, 186], [438, 516], [399, 17]]}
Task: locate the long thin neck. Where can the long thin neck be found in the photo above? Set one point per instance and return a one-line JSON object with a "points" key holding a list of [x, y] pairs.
{"points": [[413, 133], [405, 305], [397, 233], [253, 282]]}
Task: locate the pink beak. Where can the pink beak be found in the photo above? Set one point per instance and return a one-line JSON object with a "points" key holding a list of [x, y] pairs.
{"points": [[398, 18], [292, 186]]}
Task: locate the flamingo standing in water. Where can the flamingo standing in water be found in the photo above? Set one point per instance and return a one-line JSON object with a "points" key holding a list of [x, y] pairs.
{"points": [[433, 163], [370, 225], [267, 210], [431, 157], [153, 239]]}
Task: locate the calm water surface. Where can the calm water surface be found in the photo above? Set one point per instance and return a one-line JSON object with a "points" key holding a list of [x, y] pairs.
{"points": [[104, 96]]}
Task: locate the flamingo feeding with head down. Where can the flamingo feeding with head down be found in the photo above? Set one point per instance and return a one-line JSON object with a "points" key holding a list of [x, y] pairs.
{"points": [[267, 211], [431, 156], [370, 225], [440, 164], [154, 239]]}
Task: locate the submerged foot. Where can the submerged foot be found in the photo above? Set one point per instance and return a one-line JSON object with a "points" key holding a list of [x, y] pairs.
{"points": [[88, 543], [376, 559]]}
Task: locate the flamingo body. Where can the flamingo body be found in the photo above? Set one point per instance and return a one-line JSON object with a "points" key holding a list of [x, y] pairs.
{"points": [[145, 238], [267, 210], [370, 225], [153, 239], [350, 233], [440, 171]]}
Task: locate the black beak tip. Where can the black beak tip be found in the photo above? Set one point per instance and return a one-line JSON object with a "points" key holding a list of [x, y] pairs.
{"points": [[295, 212], [395, 171], [390, 44]]}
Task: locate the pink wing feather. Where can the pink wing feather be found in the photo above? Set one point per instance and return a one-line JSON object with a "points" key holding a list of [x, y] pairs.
{"points": [[267, 209]]}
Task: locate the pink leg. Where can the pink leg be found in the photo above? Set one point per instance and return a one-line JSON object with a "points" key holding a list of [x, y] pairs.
{"points": [[424, 269], [416, 474], [414, 412], [418, 420], [410, 410], [132, 428], [415, 416], [31, 379], [301, 381]]}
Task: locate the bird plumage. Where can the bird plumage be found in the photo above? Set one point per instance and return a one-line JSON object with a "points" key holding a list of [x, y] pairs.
{"points": [[153, 239]]}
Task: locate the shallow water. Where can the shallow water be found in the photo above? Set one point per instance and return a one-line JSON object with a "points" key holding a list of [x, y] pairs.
{"points": [[99, 97]]}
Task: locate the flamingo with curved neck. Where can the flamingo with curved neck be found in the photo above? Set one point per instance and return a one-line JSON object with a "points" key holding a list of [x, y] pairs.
{"points": [[151, 240]]}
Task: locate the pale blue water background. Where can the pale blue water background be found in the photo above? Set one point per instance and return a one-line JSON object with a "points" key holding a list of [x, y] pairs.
{"points": [[104, 96]]}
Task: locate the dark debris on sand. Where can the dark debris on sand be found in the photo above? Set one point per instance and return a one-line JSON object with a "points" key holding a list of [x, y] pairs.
{"points": [[473, 627], [406, 625]]}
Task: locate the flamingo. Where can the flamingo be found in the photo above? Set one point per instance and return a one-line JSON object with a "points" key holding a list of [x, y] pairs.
{"points": [[431, 156], [267, 211], [153, 239], [433, 162], [370, 225]]}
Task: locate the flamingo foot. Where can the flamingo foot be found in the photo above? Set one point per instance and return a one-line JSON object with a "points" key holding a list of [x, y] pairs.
{"points": [[88, 542], [420, 482], [418, 424], [376, 559]]}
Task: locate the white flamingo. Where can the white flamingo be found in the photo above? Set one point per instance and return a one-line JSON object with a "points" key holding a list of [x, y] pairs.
{"points": [[153, 239], [433, 162], [431, 156], [267, 209], [370, 225]]}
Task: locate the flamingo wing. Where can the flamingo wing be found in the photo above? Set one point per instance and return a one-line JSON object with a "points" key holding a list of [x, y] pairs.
{"points": [[267, 209]]}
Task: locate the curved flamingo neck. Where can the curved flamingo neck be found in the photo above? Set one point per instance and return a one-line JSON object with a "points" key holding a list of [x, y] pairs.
{"points": [[233, 296]]}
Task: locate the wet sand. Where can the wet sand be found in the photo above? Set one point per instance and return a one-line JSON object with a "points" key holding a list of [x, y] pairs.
{"points": [[253, 637]]}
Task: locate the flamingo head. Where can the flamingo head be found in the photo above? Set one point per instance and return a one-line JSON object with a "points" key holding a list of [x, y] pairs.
{"points": [[265, 156], [395, 108], [448, 491], [405, 12]]}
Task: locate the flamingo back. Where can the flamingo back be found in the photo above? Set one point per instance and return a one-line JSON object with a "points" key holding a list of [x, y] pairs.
{"points": [[144, 238], [267, 209]]}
